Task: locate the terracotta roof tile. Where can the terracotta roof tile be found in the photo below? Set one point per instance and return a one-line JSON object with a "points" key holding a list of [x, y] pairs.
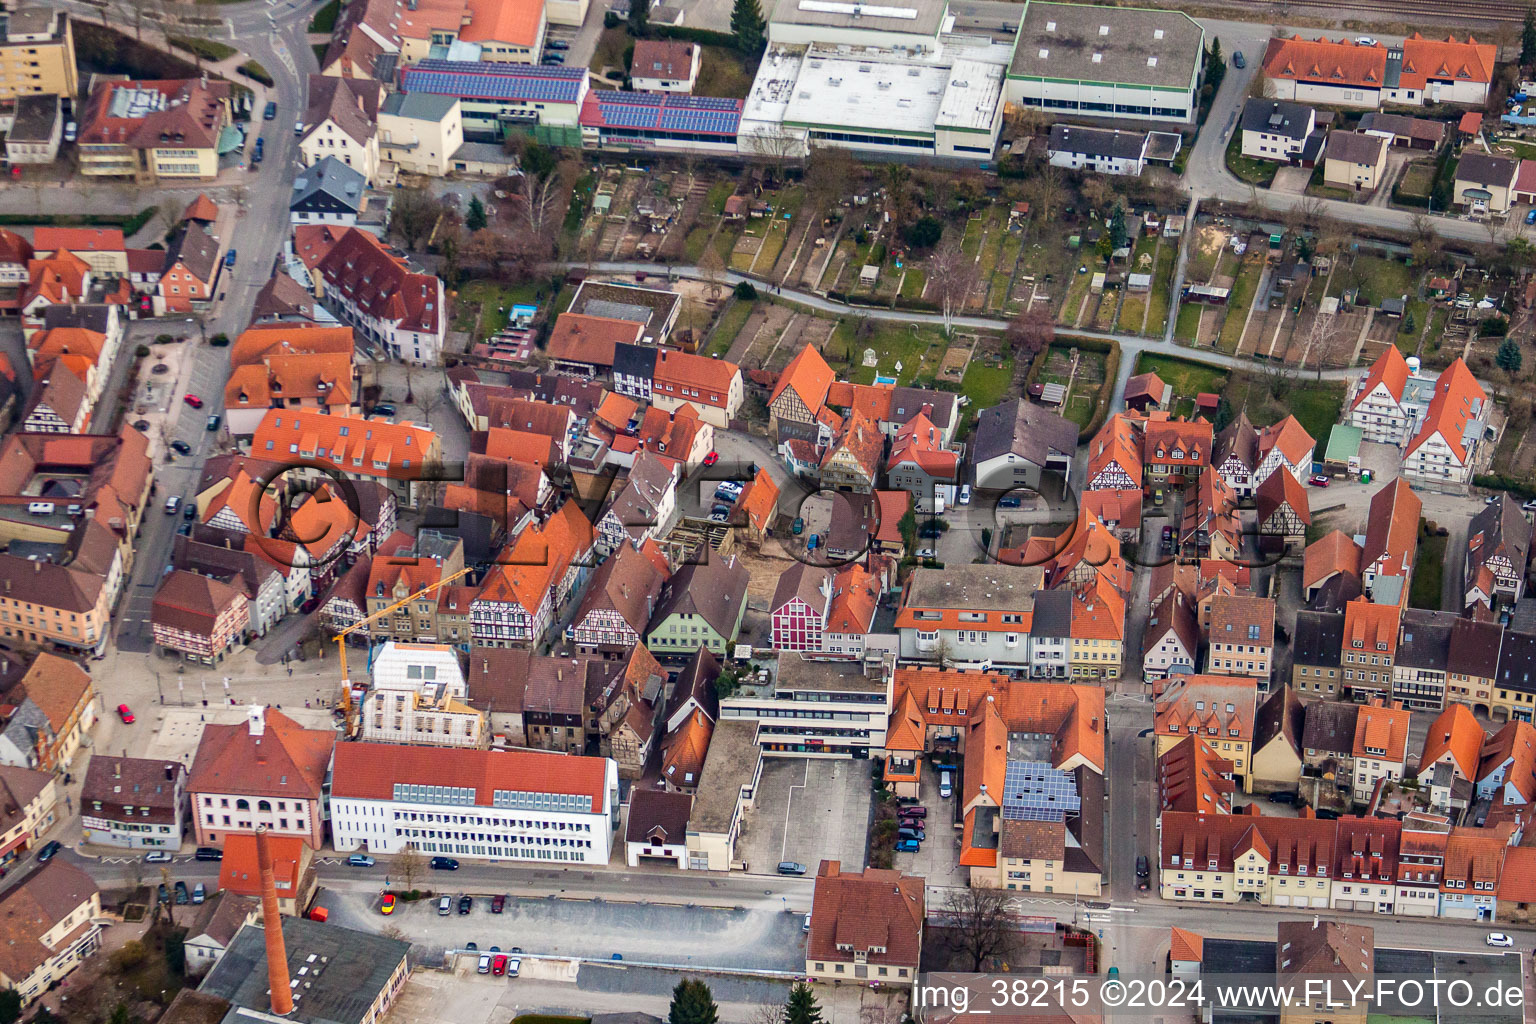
{"points": [[1457, 733], [286, 760], [877, 912], [369, 771]]}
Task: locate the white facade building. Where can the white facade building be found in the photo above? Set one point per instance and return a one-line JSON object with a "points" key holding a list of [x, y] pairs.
{"points": [[418, 696], [476, 804], [818, 708]]}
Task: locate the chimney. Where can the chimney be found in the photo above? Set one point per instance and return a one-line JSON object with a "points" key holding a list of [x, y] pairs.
{"points": [[281, 994], [255, 719], [117, 770]]}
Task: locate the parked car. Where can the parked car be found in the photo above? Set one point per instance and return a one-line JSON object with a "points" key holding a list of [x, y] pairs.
{"points": [[1143, 866], [70, 131], [189, 511], [158, 857], [125, 713], [911, 833], [1319, 480], [260, 151], [711, 458], [445, 906], [387, 905], [208, 853], [1499, 939], [514, 965], [1530, 218], [908, 846], [53, 846], [443, 864], [797, 527], [270, 113], [193, 400], [914, 812], [498, 904], [1282, 797], [229, 258], [946, 784], [1238, 60], [173, 504], [965, 494], [214, 421], [360, 860], [183, 897], [499, 964], [806, 926], [485, 964], [930, 528], [466, 904], [553, 59], [383, 409], [298, 127], [199, 893], [1009, 502], [558, 44], [927, 553], [790, 867]]}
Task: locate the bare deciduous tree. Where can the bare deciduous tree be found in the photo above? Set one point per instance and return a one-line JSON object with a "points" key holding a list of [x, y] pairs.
{"points": [[409, 865], [712, 267], [540, 202], [951, 275], [1030, 332], [1045, 192], [775, 147], [978, 924], [829, 173], [413, 214]]}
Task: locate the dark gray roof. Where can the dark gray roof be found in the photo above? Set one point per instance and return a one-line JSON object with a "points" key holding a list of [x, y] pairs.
{"points": [[1402, 124], [330, 177], [197, 249], [712, 586], [1028, 430], [652, 809], [1353, 148], [92, 316], [1499, 528], [1474, 649], [1329, 725], [1277, 117], [1517, 662], [1237, 956], [1336, 592], [356, 968], [908, 402], [1317, 638], [36, 118], [1098, 142], [1282, 714], [1426, 641], [634, 360], [1483, 169], [1053, 613], [282, 297], [1131, 46], [422, 106]]}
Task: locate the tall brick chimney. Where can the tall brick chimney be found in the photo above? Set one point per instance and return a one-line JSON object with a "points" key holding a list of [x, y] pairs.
{"points": [[272, 924]]}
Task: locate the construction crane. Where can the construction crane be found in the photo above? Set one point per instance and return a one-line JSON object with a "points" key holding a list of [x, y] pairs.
{"points": [[341, 639]]}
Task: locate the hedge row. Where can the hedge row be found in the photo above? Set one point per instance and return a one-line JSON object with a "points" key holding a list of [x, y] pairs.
{"points": [[1106, 390], [702, 36], [130, 223], [1500, 482]]}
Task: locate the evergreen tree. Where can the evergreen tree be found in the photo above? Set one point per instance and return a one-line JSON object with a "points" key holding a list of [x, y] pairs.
{"points": [[1528, 38], [1118, 235], [747, 26], [10, 1006], [474, 218], [1510, 358], [639, 18], [802, 1007], [692, 1003]]}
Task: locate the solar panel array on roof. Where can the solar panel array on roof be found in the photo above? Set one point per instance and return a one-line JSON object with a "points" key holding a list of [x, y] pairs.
{"points": [[708, 115], [494, 81], [1035, 791]]}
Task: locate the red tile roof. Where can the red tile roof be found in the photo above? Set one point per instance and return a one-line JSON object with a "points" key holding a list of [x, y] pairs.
{"points": [[877, 912], [1371, 628], [366, 447], [809, 376], [240, 874], [1216, 707], [1291, 438], [1282, 488], [1381, 731], [708, 381], [1334, 553], [1186, 946], [287, 760], [579, 338], [920, 443], [378, 281], [1192, 777], [1458, 398], [1446, 60], [1457, 733], [1390, 369], [78, 240], [369, 771], [1392, 530]]}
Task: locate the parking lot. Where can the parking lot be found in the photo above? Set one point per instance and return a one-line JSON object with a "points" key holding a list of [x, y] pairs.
{"points": [[809, 810], [938, 860], [645, 933]]}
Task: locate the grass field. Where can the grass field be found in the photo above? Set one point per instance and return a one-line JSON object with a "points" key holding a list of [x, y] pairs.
{"points": [[1162, 281], [1188, 324], [724, 71], [1380, 279], [1255, 172], [476, 299], [1418, 178], [1238, 304], [1315, 404], [987, 385], [1428, 573], [918, 348], [730, 325], [325, 18], [208, 49], [1187, 379]]}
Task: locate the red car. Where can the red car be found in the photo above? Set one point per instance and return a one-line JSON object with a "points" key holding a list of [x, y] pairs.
{"points": [[1319, 480], [711, 458], [125, 714], [499, 964], [193, 401]]}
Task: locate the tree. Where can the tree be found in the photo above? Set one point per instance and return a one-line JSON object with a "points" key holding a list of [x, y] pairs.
{"points": [[538, 159], [747, 26], [1215, 66], [540, 202], [712, 267], [1030, 333], [10, 1006], [692, 1003], [1528, 38], [1118, 235], [408, 865], [414, 213], [923, 233], [775, 147], [951, 274], [1044, 192], [639, 18], [978, 924], [475, 218], [829, 172], [802, 1007], [1509, 358]]}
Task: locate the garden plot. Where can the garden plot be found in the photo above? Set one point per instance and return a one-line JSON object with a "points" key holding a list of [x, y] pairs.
{"points": [[956, 358], [1081, 373], [1337, 347]]}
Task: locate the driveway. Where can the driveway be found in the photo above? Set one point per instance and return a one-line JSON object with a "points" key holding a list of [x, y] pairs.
{"points": [[1292, 180], [809, 810], [938, 861]]}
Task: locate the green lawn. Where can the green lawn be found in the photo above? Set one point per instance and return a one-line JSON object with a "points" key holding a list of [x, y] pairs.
{"points": [[1186, 378], [1380, 279], [730, 325], [1522, 151], [918, 348], [253, 70], [319, 50], [325, 18], [1188, 324], [987, 385], [724, 71], [1238, 304], [913, 284], [485, 299], [208, 49], [1316, 405], [1428, 573], [1255, 172], [1162, 281], [719, 192]]}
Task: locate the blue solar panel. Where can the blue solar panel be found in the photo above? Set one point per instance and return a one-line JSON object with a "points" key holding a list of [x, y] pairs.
{"points": [[705, 115], [1035, 791], [495, 81]]}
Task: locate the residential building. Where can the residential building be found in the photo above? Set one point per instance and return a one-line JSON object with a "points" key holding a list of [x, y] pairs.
{"points": [[1220, 709], [1369, 647], [617, 605], [1355, 161], [1172, 638], [1380, 746], [1346, 951], [37, 128], [701, 605], [418, 696], [28, 809], [1450, 444], [1498, 553], [1506, 770], [1423, 658], [1190, 777], [341, 121], [492, 94], [1236, 457], [419, 133], [1242, 637], [1175, 452], [1317, 653], [1098, 150], [395, 455], [1472, 663], [135, 803], [866, 926], [657, 827], [1285, 445], [47, 714], [727, 791], [376, 290], [294, 876], [1449, 762], [1514, 683], [973, 616], [791, 707], [521, 595], [1016, 442], [1418, 72], [711, 386], [37, 53], [643, 507], [1097, 629], [328, 192], [1284, 514], [1146, 391], [199, 617], [1278, 730], [1485, 184], [51, 924], [214, 926], [1276, 129], [1391, 541], [919, 462], [852, 462], [1334, 554], [1225, 858], [1404, 131], [800, 391], [531, 805], [665, 65], [1469, 883], [270, 771], [154, 131], [587, 345]]}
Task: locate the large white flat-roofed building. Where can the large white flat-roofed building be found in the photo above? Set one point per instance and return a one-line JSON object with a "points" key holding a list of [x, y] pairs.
{"points": [[1127, 63]]}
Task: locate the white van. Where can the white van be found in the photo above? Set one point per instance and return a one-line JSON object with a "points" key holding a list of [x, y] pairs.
{"points": [[40, 508]]}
